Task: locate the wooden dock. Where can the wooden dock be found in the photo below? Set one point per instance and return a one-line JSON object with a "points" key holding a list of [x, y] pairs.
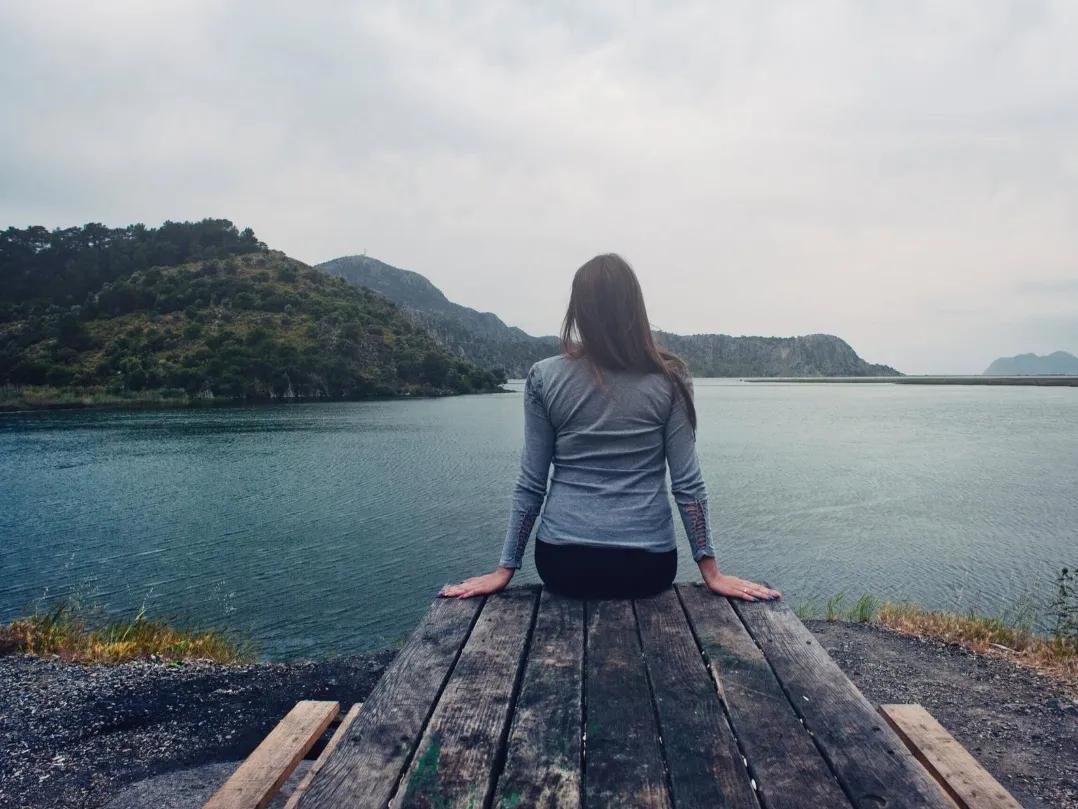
{"points": [[528, 699]]}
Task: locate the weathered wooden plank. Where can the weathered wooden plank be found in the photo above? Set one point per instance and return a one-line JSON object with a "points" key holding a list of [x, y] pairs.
{"points": [[870, 761], [705, 766], [787, 767], [969, 784], [366, 766], [331, 745], [542, 767], [259, 777], [454, 765], [623, 763]]}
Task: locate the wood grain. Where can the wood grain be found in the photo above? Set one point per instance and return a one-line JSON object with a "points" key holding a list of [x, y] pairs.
{"points": [[788, 769], [454, 765], [623, 764], [705, 766], [969, 784], [366, 766], [257, 780], [542, 767], [869, 760]]}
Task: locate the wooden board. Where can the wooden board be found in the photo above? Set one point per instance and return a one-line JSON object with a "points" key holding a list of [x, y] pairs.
{"points": [[454, 765], [542, 768], [870, 761], [705, 766], [259, 777], [318, 763], [366, 767], [623, 764], [969, 784], [788, 769]]}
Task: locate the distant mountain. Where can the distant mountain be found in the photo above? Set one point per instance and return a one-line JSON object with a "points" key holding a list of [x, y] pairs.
{"points": [[1059, 362], [482, 337], [479, 337], [810, 355]]}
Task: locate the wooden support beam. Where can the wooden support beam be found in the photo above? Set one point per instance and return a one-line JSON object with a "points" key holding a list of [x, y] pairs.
{"points": [[969, 784], [257, 780], [331, 745]]}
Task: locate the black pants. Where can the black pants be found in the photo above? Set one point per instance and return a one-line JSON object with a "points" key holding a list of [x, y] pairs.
{"points": [[580, 571]]}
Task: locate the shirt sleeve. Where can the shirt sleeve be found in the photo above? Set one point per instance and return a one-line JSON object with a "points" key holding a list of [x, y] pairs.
{"points": [[530, 489], [686, 481]]}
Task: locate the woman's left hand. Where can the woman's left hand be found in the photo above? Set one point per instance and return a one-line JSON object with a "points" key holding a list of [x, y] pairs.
{"points": [[733, 587], [479, 585]]}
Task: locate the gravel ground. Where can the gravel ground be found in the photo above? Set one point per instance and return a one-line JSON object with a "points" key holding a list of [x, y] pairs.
{"points": [[1023, 728], [73, 735], [82, 736]]}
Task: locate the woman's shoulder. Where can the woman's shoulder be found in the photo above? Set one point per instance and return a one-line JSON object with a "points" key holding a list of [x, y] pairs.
{"points": [[554, 365]]}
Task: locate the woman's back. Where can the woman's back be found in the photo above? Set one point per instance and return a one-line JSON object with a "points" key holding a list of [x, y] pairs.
{"points": [[608, 484]]}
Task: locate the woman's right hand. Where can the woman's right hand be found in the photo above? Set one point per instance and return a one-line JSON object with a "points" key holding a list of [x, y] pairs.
{"points": [[479, 585]]}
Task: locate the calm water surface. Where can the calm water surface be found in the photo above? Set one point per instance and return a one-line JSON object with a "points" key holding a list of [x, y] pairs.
{"points": [[328, 528]]}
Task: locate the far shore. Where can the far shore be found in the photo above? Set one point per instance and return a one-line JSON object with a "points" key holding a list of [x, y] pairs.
{"points": [[50, 399], [1042, 381]]}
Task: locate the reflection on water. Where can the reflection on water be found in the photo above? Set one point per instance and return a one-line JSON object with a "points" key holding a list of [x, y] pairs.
{"points": [[327, 528]]}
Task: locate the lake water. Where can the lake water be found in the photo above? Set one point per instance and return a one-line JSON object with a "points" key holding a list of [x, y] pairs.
{"points": [[328, 528]]}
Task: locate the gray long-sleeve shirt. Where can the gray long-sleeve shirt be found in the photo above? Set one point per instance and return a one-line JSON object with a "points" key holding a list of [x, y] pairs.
{"points": [[609, 445]]}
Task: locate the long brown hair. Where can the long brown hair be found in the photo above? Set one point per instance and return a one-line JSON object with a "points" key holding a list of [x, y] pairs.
{"points": [[607, 324]]}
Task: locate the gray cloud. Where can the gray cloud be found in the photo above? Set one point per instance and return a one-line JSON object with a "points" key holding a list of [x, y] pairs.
{"points": [[889, 173]]}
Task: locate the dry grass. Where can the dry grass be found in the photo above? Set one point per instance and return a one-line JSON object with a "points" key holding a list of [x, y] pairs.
{"points": [[64, 632], [1054, 655]]}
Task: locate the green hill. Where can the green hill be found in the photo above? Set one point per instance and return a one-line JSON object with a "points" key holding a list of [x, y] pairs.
{"points": [[96, 321]]}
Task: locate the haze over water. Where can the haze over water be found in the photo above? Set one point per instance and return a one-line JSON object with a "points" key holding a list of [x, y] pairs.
{"points": [[328, 528]]}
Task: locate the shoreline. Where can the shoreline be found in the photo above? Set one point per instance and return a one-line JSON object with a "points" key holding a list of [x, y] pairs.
{"points": [[82, 735], [1031, 381]]}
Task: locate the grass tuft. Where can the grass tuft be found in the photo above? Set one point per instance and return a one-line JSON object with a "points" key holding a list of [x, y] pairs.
{"points": [[833, 610], [864, 609], [1013, 638], [64, 631]]}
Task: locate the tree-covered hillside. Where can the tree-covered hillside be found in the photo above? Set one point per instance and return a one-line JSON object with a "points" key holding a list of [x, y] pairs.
{"points": [[253, 325], [64, 265]]}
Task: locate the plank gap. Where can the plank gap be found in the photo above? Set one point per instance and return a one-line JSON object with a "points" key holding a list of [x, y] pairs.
{"points": [[797, 710], [654, 709], [406, 767], [584, 708], [716, 681], [502, 753]]}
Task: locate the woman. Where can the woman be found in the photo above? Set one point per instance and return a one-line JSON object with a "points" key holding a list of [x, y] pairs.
{"points": [[611, 412]]}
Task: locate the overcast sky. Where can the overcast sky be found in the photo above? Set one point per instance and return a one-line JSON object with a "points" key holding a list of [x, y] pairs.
{"points": [[903, 175]]}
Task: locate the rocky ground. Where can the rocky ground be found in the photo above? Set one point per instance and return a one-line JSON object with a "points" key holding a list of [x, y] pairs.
{"points": [[165, 735]]}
